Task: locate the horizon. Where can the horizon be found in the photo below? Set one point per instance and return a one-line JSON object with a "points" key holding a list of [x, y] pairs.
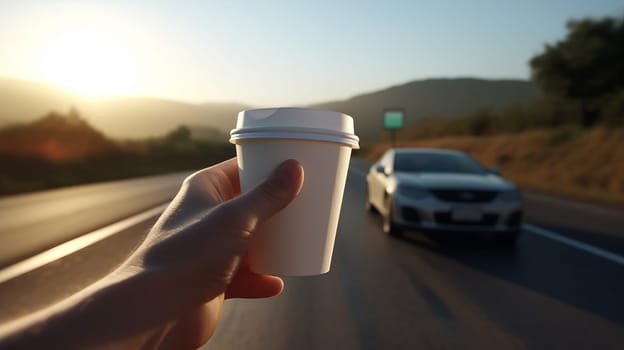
{"points": [[95, 99], [247, 53]]}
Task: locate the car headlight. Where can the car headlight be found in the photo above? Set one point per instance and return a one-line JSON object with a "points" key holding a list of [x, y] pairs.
{"points": [[510, 196], [412, 191]]}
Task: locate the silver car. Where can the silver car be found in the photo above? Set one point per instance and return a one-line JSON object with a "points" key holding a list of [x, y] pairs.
{"points": [[432, 190]]}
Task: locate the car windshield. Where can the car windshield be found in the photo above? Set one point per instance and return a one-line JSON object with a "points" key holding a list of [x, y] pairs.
{"points": [[436, 163]]}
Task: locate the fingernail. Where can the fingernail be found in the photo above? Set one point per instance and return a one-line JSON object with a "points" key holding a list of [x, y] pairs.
{"points": [[288, 174]]}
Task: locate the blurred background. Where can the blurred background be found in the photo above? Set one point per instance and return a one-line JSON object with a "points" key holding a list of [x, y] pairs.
{"points": [[155, 86], [95, 91], [84, 84]]}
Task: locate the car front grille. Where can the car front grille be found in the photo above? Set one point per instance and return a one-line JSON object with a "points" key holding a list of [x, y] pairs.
{"points": [[464, 196], [444, 217]]}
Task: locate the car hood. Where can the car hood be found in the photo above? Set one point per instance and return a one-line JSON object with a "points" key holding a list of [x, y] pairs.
{"points": [[488, 182]]}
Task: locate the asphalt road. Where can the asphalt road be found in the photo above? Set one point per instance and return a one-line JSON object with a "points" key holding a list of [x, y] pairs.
{"points": [[410, 292], [34, 222]]}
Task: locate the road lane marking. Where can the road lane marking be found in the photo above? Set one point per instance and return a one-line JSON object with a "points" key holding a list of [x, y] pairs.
{"points": [[605, 254], [76, 244]]}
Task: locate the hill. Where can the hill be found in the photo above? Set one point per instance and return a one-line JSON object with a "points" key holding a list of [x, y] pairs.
{"points": [[55, 138], [117, 117], [64, 149], [24, 101], [132, 117], [431, 98]]}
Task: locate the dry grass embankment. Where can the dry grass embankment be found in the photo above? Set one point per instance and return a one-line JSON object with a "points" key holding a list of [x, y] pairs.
{"points": [[569, 161]]}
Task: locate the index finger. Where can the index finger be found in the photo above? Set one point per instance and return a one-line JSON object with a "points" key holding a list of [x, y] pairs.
{"points": [[221, 180], [229, 168]]}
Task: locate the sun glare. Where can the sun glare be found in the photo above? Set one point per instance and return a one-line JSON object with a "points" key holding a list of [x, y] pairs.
{"points": [[89, 63]]}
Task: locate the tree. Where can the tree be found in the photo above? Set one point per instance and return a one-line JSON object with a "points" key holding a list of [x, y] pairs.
{"points": [[182, 134], [586, 67]]}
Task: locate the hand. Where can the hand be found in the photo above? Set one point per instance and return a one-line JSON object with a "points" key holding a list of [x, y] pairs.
{"points": [[201, 241], [170, 292]]}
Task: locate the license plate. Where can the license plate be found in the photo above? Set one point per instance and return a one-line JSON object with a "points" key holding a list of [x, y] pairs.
{"points": [[466, 214]]}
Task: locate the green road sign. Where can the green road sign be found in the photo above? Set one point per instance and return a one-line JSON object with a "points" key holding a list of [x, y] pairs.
{"points": [[393, 120]]}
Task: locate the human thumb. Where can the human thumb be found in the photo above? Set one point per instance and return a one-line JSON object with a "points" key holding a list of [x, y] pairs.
{"points": [[270, 196]]}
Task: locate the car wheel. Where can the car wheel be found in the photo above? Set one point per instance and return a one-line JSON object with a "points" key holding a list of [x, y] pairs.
{"points": [[389, 227]]}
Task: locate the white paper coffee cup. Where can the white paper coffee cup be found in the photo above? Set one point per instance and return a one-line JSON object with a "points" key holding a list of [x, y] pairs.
{"points": [[299, 240]]}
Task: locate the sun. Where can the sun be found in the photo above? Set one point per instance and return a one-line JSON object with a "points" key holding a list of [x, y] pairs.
{"points": [[89, 62]]}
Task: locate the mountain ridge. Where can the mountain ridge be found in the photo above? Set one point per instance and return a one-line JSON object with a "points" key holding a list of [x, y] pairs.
{"points": [[432, 98], [142, 117]]}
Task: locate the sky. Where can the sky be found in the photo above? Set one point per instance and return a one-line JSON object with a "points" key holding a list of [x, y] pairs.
{"points": [[275, 52]]}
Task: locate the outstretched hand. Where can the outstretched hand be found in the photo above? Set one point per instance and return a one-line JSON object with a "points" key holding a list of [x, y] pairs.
{"points": [[206, 230], [202, 238], [170, 292]]}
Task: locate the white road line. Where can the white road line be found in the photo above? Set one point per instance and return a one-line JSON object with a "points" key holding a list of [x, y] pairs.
{"points": [[76, 244], [605, 254], [91, 238]]}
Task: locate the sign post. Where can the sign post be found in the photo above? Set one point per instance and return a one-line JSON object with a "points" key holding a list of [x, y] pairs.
{"points": [[394, 119]]}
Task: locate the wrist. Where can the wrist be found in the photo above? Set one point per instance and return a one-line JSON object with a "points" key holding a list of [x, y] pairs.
{"points": [[119, 307]]}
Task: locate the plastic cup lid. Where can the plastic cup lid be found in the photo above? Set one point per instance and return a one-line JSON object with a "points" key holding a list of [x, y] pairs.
{"points": [[294, 123]]}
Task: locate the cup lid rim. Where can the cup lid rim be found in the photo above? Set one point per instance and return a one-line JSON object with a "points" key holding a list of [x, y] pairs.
{"points": [[290, 132]]}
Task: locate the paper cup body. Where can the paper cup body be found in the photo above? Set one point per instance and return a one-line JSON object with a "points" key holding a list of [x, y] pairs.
{"points": [[299, 240]]}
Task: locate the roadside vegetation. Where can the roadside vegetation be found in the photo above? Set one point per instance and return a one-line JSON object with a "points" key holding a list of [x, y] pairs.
{"points": [[570, 141], [569, 162], [62, 149]]}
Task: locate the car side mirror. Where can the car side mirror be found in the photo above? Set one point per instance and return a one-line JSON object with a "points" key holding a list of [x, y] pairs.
{"points": [[380, 169], [494, 170]]}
